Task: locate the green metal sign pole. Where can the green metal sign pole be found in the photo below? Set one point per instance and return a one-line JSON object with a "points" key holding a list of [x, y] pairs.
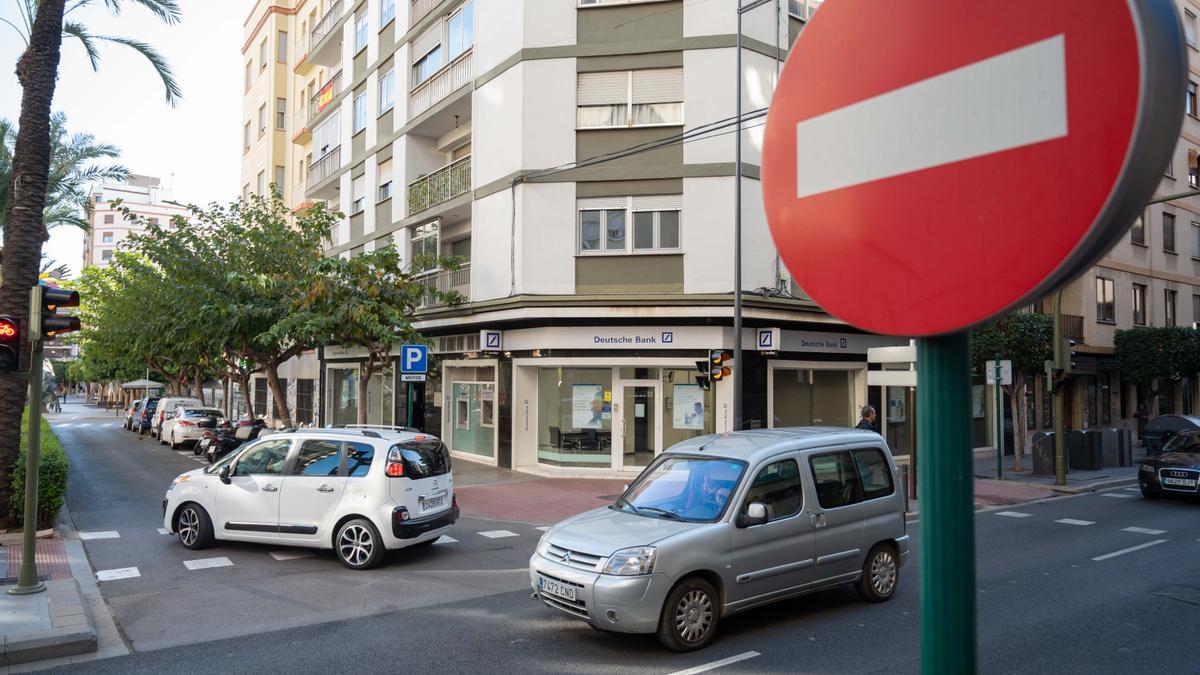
{"points": [[999, 423], [27, 578], [945, 491]]}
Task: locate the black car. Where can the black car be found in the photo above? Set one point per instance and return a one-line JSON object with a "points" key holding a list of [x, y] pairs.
{"points": [[1159, 430], [1175, 471], [141, 423]]}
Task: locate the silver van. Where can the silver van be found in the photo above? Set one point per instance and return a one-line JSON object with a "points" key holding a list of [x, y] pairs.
{"points": [[723, 523]]}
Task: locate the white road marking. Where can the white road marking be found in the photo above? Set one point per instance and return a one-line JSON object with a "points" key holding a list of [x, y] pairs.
{"points": [[718, 664], [1131, 549], [955, 116], [1142, 530], [65, 424], [1072, 521], [107, 534], [499, 534], [445, 539], [1118, 495], [119, 573], [291, 555], [205, 563], [84, 424], [547, 528], [163, 530], [1014, 514], [1134, 489]]}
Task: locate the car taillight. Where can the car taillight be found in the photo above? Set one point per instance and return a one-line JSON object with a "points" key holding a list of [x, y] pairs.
{"points": [[185, 423], [395, 464], [402, 514]]}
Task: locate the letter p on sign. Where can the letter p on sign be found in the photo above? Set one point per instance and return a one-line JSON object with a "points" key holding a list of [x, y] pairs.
{"points": [[414, 359]]}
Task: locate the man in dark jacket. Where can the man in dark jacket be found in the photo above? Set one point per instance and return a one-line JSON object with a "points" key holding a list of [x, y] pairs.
{"points": [[868, 419]]}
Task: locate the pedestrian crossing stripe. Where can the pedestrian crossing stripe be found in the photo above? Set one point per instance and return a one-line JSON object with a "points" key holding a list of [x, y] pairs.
{"points": [[119, 573], [1014, 514], [107, 534], [1072, 521], [444, 539], [498, 534], [206, 563]]}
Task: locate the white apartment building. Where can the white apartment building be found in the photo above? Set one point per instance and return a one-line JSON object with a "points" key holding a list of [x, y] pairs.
{"points": [[143, 195]]}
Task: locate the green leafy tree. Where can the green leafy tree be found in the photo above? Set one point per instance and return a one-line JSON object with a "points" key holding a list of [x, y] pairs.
{"points": [[1028, 341], [1156, 357], [366, 301]]}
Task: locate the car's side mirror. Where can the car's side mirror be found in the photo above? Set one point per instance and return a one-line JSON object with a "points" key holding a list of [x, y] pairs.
{"points": [[223, 474], [756, 514]]}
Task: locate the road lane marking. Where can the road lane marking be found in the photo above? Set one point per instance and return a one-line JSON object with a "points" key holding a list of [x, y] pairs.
{"points": [[64, 424], [1118, 495], [1072, 521], [206, 563], [119, 573], [952, 117], [499, 534], [1131, 549], [107, 534], [291, 555], [1133, 489], [543, 529], [84, 424], [1142, 530], [163, 530], [1014, 514], [717, 664], [444, 539]]}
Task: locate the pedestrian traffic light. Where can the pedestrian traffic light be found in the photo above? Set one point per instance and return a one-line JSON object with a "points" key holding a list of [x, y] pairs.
{"points": [[1058, 377], [717, 370], [1068, 353], [10, 342], [53, 324]]}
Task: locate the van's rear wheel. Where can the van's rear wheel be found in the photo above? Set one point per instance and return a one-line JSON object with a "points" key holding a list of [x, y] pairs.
{"points": [[881, 572], [689, 616]]}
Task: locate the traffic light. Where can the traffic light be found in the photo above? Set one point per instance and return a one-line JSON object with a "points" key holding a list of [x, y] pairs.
{"points": [[717, 370], [10, 342], [52, 324], [1068, 355], [1058, 377]]}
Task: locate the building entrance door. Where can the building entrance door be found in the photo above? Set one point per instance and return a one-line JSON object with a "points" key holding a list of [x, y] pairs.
{"points": [[637, 434]]}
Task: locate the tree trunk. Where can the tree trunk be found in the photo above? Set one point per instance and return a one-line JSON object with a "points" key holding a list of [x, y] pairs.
{"points": [[281, 406], [24, 229], [364, 382], [200, 385], [225, 402], [1016, 397], [245, 384]]}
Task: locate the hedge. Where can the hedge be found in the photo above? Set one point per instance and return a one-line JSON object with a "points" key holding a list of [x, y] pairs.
{"points": [[52, 481]]}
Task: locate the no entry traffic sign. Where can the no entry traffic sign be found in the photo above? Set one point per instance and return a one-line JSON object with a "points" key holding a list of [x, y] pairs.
{"points": [[930, 164]]}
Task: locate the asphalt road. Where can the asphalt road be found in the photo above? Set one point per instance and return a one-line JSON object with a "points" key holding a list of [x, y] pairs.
{"points": [[1060, 597]]}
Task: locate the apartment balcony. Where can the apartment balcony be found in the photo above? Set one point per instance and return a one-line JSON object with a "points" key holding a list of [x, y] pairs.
{"points": [[326, 38], [803, 9], [442, 185], [322, 169], [302, 126], [445, 281], [420, 9], [1072, 326], [322, 101], [449, 79]]}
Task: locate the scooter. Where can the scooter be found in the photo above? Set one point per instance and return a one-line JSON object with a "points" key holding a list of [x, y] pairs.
{"points": [[216, 443]]}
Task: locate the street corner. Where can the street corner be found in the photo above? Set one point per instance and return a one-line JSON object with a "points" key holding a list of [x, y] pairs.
{"points": [[1005, 493], [545, 500]]}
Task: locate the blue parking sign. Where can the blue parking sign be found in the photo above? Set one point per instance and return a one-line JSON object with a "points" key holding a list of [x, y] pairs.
{"points": [[414, 359]]}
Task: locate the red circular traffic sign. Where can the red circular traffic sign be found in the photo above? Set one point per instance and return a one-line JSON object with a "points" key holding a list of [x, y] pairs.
{"points": [[931, 164]]}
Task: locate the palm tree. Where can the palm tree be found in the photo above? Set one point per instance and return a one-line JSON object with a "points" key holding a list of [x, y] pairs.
{"points": [[45, 24]]}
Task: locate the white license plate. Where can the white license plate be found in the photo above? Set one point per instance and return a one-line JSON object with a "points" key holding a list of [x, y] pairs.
{"points": [[430, 503], [556, 588], [1180, 482]]}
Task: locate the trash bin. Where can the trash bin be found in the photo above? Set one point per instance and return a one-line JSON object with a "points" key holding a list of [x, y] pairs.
{"points": [[1110, 447], [1091, 455], [1043, 453], [1125, 441], [1076, 456]]}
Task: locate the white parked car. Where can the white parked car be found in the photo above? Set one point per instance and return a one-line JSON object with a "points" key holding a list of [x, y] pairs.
{"points": [[187, 424], [166, 408], [358, 491]]}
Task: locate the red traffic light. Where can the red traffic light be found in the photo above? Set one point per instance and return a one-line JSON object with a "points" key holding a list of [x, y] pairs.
{"points": [[10, 332], [10, 339]]}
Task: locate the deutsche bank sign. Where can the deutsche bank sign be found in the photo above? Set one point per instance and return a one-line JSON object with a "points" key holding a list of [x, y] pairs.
{"points": [[414, 359]]}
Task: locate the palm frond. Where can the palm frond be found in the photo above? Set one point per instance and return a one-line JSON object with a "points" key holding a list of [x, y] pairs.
{"points": [[173, 92], [167, 10], [78, 30], [17, 29]]}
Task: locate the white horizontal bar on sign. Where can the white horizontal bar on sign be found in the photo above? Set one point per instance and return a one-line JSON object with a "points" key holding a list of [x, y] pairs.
{"points": [[1007, 101], [904, 354], [891, 378]]}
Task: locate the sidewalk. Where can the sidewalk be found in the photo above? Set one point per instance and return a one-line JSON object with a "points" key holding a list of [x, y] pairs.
{"points": [[1077, 481], [51, 624]]}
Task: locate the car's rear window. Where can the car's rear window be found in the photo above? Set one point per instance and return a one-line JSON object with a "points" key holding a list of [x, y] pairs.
{"points": [[200, 412], [425, 458]]}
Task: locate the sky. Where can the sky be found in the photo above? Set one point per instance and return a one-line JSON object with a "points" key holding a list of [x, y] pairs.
{"points": [[192, 147]]}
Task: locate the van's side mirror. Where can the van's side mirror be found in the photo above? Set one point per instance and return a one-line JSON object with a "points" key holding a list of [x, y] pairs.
{"points": [[756, 514], [223, 474]]}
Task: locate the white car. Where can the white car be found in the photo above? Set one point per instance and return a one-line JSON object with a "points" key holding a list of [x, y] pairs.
{"points": [[187, 424], [166, 408], [358, 491]]}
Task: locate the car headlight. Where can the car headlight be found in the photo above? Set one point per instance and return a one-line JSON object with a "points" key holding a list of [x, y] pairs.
{"points": [[543, 544], [1146, 468], [632, 561]]}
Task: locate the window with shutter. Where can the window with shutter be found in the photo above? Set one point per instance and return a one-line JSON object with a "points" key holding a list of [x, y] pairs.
{"points": [[630, 98], [385, 179], [358, 189]]}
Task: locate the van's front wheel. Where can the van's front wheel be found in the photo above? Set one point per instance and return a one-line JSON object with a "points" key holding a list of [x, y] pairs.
{"points": [[689, 616]]}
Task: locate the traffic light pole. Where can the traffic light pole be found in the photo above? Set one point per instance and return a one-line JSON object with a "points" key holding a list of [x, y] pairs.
{"points": [[946, 497], [1060, 441], [27, 580]]}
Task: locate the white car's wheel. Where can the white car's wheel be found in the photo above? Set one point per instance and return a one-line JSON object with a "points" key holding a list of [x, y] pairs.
{"points": [[194, 527], [358, 544], [174, 445]]}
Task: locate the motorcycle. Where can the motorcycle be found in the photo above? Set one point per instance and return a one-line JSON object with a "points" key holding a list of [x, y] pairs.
{"points": [[216, 443]]}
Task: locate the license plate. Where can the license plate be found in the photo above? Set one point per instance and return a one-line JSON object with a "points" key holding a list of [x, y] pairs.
{"points": [[556, 588], [1180, 482], [430, 503]]}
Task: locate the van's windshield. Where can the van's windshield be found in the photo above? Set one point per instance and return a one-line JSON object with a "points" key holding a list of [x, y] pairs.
{"points": [[693, 489]]}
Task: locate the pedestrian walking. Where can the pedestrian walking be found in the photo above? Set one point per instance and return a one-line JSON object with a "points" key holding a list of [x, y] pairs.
{"points": [[868, 419]]}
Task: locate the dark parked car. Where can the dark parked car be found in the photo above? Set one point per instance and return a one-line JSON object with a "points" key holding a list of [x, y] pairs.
{"points": [[1175, 471], [1160, 430], [141, 422]]}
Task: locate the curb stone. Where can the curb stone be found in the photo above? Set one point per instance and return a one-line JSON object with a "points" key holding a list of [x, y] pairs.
{"points": [[73, 633]]}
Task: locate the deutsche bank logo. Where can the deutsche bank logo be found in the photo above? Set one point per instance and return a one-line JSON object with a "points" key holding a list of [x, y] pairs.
{"points": [[668, 337], [766, 339], [491, 339], [414, 359]]}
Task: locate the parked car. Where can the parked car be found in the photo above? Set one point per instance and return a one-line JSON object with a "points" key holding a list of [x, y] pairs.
{"points": [[186, 425], [358, 491], [166, 408], [1160, 430], [141, 422], [1175, 471], [132, 412], [222, 440], [720, 524]]}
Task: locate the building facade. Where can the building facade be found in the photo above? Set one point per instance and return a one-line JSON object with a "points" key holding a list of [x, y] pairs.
{"points": [[143, 195]]}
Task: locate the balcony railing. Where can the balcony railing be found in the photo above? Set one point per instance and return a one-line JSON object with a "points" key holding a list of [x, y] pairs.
{"points": [[419, 9], [326, 23], [442, 185], [445, 281], [324, 96], [443, 83], [324, 167], [1072, 326]]}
